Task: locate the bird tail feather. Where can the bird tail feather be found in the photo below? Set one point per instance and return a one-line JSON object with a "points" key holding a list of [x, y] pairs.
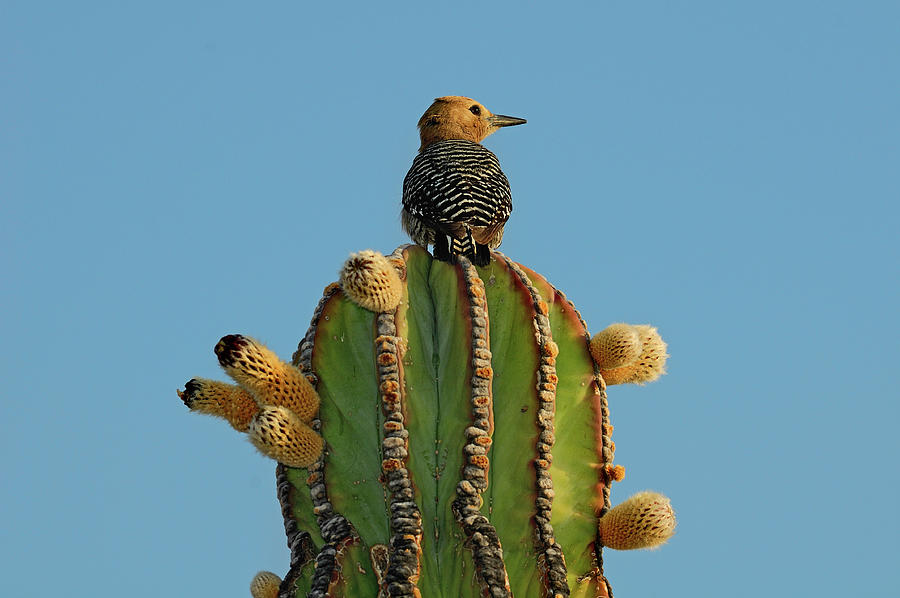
{"points": [[464, 246]]}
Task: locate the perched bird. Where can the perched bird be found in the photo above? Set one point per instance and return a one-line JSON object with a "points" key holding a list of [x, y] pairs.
{"points": [[455, 196]]}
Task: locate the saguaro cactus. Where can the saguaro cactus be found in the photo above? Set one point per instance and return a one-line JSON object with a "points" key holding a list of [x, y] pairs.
{"points": [[467, 441]]}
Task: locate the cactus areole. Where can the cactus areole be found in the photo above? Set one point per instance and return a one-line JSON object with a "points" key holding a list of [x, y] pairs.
{"points": [[467, 447]]}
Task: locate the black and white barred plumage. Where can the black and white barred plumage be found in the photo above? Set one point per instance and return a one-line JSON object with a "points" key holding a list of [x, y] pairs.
{"points": [[456, 198]]}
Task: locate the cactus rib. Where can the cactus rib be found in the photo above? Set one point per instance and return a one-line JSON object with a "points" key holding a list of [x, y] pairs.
{"points": [[335, 529], [604, 429], [299, 541], [480, 534], [406, 519], [550, 557], [403, 567], [605, 446]]}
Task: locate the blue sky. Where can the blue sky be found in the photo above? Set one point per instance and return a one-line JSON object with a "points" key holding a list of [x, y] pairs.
{"points": [[172, 172]]}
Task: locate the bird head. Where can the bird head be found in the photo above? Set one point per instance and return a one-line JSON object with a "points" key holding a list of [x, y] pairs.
{"points": [[458, 117]]}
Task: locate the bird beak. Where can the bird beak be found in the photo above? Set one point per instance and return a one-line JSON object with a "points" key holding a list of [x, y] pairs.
{"points": [[498, 120]]}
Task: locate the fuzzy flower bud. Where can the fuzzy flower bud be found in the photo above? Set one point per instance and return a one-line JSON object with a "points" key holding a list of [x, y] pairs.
{"points": [[227, 401], [645, 520], [371, 281], [271, 381], [629, 354], [279, 434], [265, 584]]}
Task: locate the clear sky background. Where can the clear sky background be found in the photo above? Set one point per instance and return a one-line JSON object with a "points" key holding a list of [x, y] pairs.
{"points": [[727, 171]]}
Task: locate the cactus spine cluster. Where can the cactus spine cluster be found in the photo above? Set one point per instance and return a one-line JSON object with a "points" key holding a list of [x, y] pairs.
{"points": [[467, 442]]}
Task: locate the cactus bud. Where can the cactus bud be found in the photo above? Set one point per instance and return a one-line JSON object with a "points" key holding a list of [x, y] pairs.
{"points": [[371, 281], [272, 381], [629, 354], [265, 584], [645, 520], [227, 401], [615, 346], [279, 434]]}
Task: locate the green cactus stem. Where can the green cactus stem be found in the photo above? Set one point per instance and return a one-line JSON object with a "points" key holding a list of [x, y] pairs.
{"points": [[467, 437], [451, 401]]}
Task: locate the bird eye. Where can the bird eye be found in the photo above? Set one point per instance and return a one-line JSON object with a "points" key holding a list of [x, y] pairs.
{"points": [[476, 110]]}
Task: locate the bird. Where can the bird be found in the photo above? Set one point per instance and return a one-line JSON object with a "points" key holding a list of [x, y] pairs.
{"points": [[455, 196]]}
